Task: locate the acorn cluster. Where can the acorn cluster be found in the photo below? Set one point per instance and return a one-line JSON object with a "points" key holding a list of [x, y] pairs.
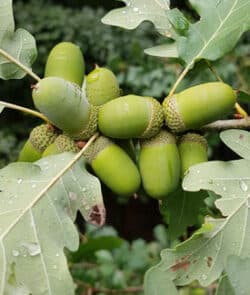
{"points": [[78, 106]]}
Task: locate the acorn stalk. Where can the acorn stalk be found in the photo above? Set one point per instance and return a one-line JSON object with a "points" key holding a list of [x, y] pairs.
{"points": [[159, 164], [113, 166], [40, 138], [198, 106], [193, 150], [66, 61], [131, 116]]}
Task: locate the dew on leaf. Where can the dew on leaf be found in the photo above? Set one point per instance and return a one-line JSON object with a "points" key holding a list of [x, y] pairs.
{"points": [[32, 248], [19, 181], [243, 186], [15, 253]]}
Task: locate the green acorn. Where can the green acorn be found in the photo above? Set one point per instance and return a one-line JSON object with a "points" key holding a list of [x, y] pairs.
{"points": [[159, 164], [101, 86], [131, 116], [113, 166], [66, 61], [62, 144], [193, 150], [198, 106], [64, 105], [40, 138]]}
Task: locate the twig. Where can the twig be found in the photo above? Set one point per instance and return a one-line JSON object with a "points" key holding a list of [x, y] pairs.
{"points": [[213, 70], [228, 124], [19, 64], [24, 110]]}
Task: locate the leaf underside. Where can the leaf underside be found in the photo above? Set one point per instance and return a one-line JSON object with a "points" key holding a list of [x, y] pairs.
{"points": [[36, 226], [19, 44]]}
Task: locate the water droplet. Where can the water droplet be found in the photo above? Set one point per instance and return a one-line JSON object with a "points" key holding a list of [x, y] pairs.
{"points": [[57, 254], [136, 9], [72, 196], [87, 207], [224, 188], [243, 186], [198, 171], [210, 181], [54, 266], [84, 189], [32, 248], [203, 277], [33, 186], [19, 181], [15, 253]]}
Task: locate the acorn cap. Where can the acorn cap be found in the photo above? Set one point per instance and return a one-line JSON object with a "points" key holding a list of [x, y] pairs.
{"points": [[62, 144], [194, 138], [91, 128], [163, 137], [96, 147], [156, 119], [66, 144], [172, 114], [42, 136]]}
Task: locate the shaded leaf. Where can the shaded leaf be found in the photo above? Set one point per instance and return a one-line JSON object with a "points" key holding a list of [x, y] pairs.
{"points": [[238, 141], [36, 222], [225, 288], [20, 45], [159, 283], [178, 21], [182, 209], [238, 271], [166, 50], [137, 11], [87, 250], [203, 256], [243, 97], [220, 26]]}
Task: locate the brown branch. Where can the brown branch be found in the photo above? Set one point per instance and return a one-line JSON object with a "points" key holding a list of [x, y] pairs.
{"points": [[228, 124]]}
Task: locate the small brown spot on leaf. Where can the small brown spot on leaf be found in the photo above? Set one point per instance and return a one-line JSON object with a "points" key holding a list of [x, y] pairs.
{"points": [[97, 215], [241, 136], [209, 261], [181, 265]]}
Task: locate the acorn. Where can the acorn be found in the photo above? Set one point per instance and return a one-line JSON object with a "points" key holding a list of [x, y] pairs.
{"points": [[193, 150], [101, 86], [131, 116], [65, 106], [113, 166], [40, 138], [62, 144], [66, 61], [159, 164], [198, 106]]}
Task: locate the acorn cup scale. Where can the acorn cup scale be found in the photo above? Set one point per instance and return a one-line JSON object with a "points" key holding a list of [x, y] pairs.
{"points": [[131, 116], [40, 138], [198, 106], [159, 164], [101, 86], [193, 150], [66, 61], [63, 104], [113, 166], [62, 144]]}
